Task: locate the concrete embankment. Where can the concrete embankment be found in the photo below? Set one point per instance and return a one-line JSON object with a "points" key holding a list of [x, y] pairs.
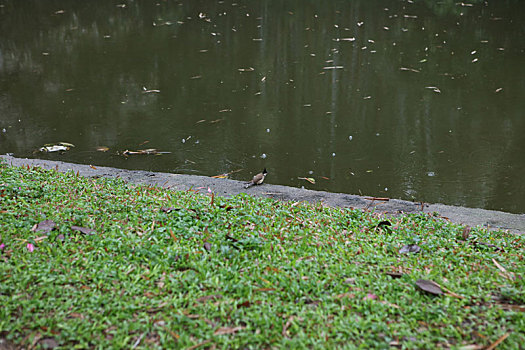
{"points": [[469, 216]]}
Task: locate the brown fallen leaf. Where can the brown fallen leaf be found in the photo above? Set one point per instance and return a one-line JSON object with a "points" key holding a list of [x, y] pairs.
{"points": [[84, 230], [228, 330], [497, 342], [466, 233], [506, 274], [48, 343], [173, 235], [488, 245], [512, 307], [244, 304], [44, 227], [199, 345], [430, 287], [168, 209], [394, 274], [345, 295], [212, 297], [172, 333], [411, 248]]}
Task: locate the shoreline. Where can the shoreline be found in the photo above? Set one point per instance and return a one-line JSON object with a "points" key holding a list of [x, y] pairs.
{"points": [[490, 219]]}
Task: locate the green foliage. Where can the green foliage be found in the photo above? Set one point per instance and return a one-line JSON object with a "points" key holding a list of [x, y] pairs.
{"points": [[169, 269]]}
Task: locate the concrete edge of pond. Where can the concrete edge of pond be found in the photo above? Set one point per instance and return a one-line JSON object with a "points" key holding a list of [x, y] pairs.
{"points": [[225, 187]]}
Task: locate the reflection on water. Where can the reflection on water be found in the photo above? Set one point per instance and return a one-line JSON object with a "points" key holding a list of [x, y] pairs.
{"points": [[415, 100]]}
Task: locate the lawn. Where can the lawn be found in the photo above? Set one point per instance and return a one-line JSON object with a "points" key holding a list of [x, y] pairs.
{"points": [[98, 263]]}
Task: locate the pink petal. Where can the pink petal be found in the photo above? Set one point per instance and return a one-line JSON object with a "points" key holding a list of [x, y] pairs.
{"points": [[2, 246], [370, 296], [209, 190], [30, 247]]}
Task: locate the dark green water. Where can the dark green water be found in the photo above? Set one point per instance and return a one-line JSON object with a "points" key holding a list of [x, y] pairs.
{"points": [[405, 99]]}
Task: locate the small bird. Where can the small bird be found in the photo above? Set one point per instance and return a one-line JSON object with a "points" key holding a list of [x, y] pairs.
{"points": [[257, 179]]}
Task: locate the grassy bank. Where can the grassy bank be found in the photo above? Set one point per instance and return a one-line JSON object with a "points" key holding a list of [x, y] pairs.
{"points": [[99, 263]]}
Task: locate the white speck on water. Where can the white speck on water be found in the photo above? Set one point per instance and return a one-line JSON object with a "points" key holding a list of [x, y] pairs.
{"points": [[267, 130], [431, 173], [377, 134], [350, 137], [4, 130], [386, 188], [310, 172], [263, 156], [333, 154]]}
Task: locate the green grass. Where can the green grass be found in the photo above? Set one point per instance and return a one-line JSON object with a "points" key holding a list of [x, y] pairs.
{"points": [[241, 272]]}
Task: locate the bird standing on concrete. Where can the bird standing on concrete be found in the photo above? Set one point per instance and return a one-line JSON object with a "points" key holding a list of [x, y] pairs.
{"points": [[257, 179]]}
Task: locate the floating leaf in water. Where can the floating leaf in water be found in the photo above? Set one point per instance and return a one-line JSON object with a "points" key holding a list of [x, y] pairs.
{"points": [[149, 91], [66, 144], [344, 39], [433, 88], [409, 69], [56, 148], [309, 179], [430, 287], [333, 67], [144, 151]]}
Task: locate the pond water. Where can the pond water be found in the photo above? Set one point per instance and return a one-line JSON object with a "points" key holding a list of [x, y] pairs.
{"points": [[419, 100]]}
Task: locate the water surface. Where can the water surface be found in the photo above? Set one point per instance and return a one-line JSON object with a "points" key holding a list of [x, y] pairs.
{"points": [[416, 100]]}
